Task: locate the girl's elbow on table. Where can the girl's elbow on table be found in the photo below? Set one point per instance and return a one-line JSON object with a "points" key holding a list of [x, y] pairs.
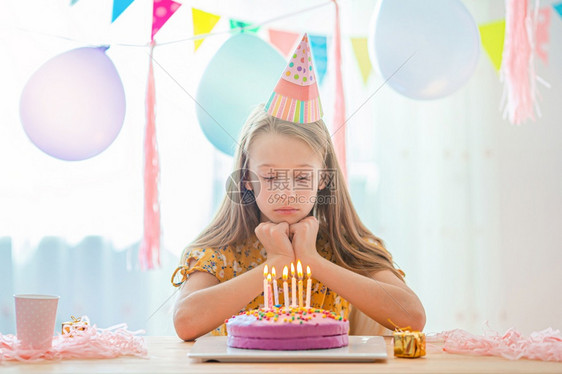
{"points": [[187, 327]]}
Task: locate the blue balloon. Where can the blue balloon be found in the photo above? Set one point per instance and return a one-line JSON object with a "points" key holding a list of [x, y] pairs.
{"points": [[425, 49], [241, 75]]}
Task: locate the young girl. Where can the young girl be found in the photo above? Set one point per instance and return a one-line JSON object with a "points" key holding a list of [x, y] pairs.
{"points": [[291, 204]]}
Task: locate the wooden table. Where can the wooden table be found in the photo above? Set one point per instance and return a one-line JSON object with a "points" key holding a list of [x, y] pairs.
{"points": [[169, 355]]}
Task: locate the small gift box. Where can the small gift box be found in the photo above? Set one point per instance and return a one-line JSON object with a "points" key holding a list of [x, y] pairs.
{"points": [[409, 344], [80, 324]]}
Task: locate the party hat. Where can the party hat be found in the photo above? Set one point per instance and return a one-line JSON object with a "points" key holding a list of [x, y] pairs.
{"points": [[295, 98]]}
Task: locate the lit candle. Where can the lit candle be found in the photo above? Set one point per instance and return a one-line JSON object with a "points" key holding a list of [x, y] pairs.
{"points": [[286, 286], [293, 287], [265, 289], [308, 286], [269, 293], [299, 272], [275, 288]]}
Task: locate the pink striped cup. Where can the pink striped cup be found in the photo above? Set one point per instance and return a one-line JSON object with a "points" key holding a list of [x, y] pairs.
{"points": [[35, 320]]}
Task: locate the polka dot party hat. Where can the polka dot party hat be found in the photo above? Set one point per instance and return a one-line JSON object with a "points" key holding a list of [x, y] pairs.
{"points": [[295, 98]]}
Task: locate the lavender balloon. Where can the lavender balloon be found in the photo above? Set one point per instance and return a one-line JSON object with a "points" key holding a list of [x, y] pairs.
{"points": [[73, 107]]}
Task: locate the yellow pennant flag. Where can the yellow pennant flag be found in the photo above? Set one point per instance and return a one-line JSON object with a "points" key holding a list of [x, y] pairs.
{"points": [[492, 35], [203, 23], [360, 48]]}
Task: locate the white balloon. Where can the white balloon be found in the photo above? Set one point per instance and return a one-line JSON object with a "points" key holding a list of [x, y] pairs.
{"points": [[426, 49]]}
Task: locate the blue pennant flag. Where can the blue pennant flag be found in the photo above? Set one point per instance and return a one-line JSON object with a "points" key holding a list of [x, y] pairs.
{"points": [[319, 47], [119, 7], [558, 7]]}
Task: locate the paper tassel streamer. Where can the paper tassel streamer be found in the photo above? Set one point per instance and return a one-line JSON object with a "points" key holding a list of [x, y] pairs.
{"points": [[119, 7], [545, 345], [542, 34], [518, 70], [162, 10], [338, 124], [284, 41], [150, 247], [91, 342], [203, 23], [319, 47], [360, 48], [492, 36]]}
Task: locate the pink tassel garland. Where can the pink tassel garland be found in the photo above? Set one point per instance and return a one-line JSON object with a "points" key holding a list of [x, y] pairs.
{"points": [[518, 69], [150, 247], [542, 34], [339, 125]]}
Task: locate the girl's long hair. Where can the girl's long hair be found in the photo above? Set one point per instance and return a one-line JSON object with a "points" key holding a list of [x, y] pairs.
{"points": [[354, 246]]}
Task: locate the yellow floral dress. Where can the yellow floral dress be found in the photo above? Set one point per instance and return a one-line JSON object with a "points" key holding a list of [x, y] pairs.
{"points": [[230, 261]]}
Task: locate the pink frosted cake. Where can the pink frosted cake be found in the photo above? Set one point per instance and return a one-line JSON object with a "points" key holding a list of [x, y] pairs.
{"points": [[296, 329]]}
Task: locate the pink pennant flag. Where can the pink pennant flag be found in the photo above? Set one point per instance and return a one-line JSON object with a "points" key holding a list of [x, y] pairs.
{"points": [[161, 12], [285, 41], [542, 34]]}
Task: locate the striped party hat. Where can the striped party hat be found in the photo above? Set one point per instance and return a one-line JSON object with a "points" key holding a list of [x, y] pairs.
{"points": [[295, 98]]}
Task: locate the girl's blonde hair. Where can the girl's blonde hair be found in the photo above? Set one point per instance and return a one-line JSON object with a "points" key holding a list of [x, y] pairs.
{"points": [[354, 246]]}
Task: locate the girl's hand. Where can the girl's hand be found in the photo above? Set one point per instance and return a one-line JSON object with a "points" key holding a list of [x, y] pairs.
{"points": [[304, 235], [275, 239]]}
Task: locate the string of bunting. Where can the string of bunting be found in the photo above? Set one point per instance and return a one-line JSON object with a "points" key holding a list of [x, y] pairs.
{"points": [[492, 34]]}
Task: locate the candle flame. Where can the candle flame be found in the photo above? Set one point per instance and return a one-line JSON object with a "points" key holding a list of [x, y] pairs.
{"points": [[299, 269], [269, 278], [265, 272], [292, 270], [285, 273], [273, 273], [308, 274]]}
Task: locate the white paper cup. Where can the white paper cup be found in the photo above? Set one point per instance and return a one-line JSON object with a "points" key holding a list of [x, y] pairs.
{"points": [[35, 320]]}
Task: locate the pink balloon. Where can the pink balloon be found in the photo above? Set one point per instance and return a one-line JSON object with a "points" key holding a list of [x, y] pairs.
{"points": [[73, 107]]}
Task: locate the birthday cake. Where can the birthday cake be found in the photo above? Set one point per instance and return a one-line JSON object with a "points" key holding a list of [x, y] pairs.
{"points": [[279, 328]]}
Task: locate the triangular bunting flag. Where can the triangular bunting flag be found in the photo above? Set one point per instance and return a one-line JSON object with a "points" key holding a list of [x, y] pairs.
{"points": [[492, 36], [162, 10], [319, 47], [203, 23], [360, 48], [285, 41], [235, 24], [558, 8], [542, 33], [119, 7]]}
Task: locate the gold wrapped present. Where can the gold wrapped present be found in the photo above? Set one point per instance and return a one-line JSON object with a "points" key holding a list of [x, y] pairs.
{"points": [[409, 344], [80, 324]]}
